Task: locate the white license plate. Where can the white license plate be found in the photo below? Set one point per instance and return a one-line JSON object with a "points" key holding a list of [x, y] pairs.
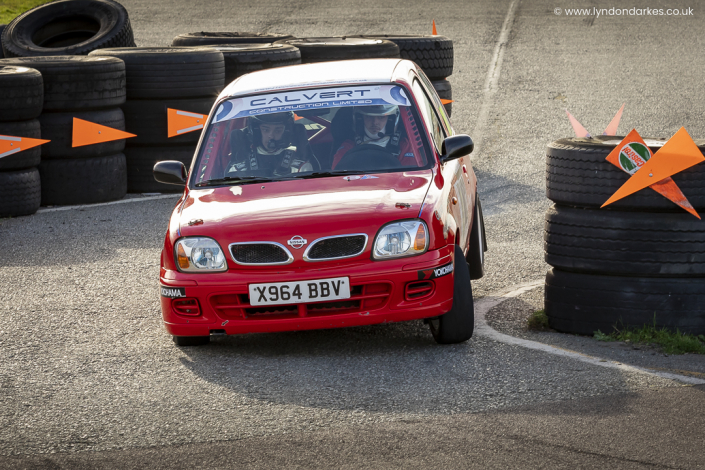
{"points": [[316, 290]]}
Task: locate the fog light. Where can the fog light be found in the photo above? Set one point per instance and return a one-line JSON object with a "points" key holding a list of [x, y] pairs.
{"points": [[419, 290], [186, 307]]}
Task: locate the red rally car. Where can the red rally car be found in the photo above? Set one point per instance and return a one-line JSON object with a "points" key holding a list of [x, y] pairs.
{"points": [[323, 196]]}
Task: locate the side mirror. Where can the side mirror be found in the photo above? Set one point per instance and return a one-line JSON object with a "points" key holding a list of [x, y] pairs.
{"points": [[455, 147], [170, 172]]}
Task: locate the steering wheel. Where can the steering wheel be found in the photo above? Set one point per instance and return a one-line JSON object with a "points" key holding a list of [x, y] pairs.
{"points": [[368, 157]]}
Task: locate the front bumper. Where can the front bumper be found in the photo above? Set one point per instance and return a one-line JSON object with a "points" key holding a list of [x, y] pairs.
{"points": [[379, 295]]}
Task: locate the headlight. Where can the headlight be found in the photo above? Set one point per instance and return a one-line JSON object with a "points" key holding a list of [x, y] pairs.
{"points": [[199, 254], [400, 239]]}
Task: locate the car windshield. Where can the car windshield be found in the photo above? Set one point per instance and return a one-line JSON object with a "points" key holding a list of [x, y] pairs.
{"points": [[312, 133]]}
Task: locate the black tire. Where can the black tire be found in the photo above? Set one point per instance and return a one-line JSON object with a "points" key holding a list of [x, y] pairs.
{"points": [[83, 180], [140, 163], [342, 48], [58, 128], [625, 243], [445, 92], [2, 28], [585, 303], [458, 324], [204, 38], [77, 82], [245, 58], [434, 54], [20, 192], [478, 244], [21, 93], [68, 27], [148, 119], [191, 340], [577, 174], [26, 158], [170, 72]]}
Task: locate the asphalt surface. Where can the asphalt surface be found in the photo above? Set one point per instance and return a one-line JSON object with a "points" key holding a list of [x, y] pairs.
{"points": [[89, 378]]}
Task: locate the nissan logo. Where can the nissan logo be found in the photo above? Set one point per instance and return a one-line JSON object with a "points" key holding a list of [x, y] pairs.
{"points": [[296, 242]]}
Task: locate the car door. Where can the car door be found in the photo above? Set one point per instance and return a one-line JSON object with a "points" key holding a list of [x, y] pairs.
{"points": [[465, 183], [455, 195]]}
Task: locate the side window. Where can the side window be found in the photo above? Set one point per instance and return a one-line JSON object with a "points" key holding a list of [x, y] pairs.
{"points": [[437, 132], [436, 101]]}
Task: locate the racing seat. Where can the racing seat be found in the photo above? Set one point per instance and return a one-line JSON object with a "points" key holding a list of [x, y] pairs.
{"points": [[303, 146], [341, 128]]}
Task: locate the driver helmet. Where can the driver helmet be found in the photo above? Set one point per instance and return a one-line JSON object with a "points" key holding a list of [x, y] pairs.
{"points": [[286, 118], [375, 110]]}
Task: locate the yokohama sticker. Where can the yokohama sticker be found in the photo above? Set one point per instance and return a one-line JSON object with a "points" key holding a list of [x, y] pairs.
{"points": [[172, 292], [436, 272]]}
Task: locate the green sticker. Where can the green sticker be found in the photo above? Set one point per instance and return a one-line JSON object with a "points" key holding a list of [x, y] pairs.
{"points": [[633, 156]]}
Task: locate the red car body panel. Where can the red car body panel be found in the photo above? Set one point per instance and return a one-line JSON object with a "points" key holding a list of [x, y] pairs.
{"points": [[442, 196]]}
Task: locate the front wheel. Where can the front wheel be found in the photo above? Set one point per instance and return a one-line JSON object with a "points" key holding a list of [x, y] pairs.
{"points": [[458, 324]]}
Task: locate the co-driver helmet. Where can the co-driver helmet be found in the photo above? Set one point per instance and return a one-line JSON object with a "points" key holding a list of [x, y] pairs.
{"points": [[376, 110]]}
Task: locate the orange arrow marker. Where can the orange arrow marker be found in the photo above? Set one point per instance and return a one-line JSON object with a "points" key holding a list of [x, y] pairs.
{"points": [[297, 117], [631, 154], [10, 144], [578, 128], [678, 154], [614, 123], [446, 101], [434, 32], [670, 190], [181, 122], [89, 133]]}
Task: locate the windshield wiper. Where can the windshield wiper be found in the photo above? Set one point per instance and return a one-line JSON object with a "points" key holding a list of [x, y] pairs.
{"points": [[233, 179], [324, 174]]}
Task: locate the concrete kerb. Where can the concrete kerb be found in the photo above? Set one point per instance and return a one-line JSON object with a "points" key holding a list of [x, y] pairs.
{"points": [[485, 304]]}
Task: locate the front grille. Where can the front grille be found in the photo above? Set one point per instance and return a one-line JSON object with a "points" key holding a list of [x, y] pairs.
{"points": [[337, 247], [363, 298], [260, 253]]}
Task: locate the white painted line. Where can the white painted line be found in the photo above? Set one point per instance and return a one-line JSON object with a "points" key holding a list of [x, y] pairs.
{"points": [[189, 129], [493, 76], [485, 304], [185, 113], [121, 201]]}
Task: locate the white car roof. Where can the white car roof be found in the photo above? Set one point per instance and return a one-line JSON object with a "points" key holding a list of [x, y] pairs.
{"points": [[305, 75]]}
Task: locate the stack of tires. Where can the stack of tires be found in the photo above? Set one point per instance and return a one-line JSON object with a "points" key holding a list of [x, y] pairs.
{"points": [[67, 27], [183, 78], [88, 88], [21, 98], [244, 52], [245, 58], [326, 49], [639, 261], [204, 38], [433, 53]]}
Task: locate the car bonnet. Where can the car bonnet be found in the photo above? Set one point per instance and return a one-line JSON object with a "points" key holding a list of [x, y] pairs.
{"points": [[276, 211]]}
